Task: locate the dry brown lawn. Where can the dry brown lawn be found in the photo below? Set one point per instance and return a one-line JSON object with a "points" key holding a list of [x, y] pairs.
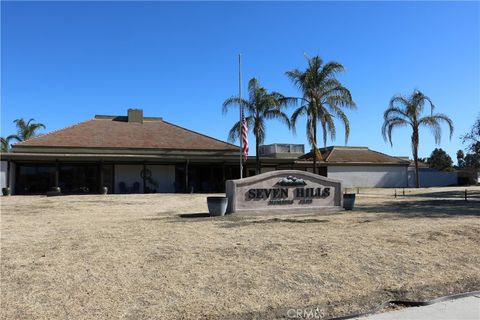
{"points": [[159, 257]]}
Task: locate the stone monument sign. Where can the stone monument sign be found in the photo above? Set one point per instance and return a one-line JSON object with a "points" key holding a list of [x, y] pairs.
{"points": [[283, 189]]}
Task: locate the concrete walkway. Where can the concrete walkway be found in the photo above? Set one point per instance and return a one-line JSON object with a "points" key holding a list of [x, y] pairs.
{"points": [[460, 309]]}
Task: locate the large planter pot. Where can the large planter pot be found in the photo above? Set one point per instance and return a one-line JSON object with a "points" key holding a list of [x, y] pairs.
{"points": [[217, 206], [348, 201], [104, 190], [55, 191], [6, 191]]}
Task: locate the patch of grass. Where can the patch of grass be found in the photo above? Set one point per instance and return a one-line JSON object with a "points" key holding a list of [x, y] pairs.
{"points": [[136, 257]]}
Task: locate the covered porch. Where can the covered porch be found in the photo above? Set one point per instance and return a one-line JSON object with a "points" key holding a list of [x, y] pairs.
{"points": [[34, 174]]}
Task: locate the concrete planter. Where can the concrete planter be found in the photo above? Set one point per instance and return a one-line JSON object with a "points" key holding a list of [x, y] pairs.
{"points": [[104, 190], [6, 191], [348, 201], [55, 191], [217, 206]]}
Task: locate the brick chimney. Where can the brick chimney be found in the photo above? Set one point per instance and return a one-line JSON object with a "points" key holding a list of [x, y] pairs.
{"points": [[135, 115]]}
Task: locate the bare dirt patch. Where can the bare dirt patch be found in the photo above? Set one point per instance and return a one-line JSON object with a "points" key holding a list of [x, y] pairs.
{"points": [[161, 257]]}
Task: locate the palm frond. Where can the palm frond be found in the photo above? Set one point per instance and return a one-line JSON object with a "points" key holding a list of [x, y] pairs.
{"points": [[277, 114], [330, 69], [253, 87], [294, 117], [233, 101], [393, 111], [14, 137], [433, 122], [399, 102], [341, 101], [343, 117], [234, 132], [389, 125], [328, 126]]}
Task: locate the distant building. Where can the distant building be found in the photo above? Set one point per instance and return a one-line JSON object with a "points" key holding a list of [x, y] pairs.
{"points": [[282, 150], [362, 167]]}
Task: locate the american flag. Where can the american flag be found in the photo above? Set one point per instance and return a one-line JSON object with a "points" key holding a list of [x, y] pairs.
{"points": [[244, 138]]}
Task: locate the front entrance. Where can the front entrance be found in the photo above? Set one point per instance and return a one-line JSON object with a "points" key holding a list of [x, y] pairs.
{"points": [[210, 178], [78, 179]]}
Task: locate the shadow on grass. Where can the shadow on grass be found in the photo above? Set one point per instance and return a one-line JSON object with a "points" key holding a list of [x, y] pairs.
{"points": [[274, 220], [424, 208], [194, 215]]}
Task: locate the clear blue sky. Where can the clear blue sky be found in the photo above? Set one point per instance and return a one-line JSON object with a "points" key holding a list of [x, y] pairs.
{"points": [[64, 62]]}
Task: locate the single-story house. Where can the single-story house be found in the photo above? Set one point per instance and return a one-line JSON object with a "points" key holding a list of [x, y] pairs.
{"points": [[137, 154], [354, 166], [126, 154]]}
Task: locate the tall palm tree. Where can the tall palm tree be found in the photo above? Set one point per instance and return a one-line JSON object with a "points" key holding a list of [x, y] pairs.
{"points": [[323, 98], [406, 111], [260, 106], [25, 130]]}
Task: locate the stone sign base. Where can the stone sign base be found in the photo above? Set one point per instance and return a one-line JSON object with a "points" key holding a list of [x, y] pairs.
{"points": [[292, 190]]}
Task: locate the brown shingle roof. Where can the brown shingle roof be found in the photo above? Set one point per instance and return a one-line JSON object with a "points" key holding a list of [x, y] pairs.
{"points": [[116, 132], [355, 155]]}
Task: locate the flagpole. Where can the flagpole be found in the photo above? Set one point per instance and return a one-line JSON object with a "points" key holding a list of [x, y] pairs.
{"points": [[241, 112]]}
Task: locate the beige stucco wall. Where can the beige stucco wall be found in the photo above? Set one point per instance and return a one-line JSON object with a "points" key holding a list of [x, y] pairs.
{"points": [[370, 176]]}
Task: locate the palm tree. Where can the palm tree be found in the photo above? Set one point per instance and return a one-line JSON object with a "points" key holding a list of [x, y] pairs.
{"points": [[406, 111], [25, 130], [5, 144], [260, 106], [323, 98]]}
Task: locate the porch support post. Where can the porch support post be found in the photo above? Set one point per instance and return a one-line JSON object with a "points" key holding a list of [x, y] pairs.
{"points": [[210, 184], [57, 173], [144, 177], [223, 177], [113, 178], [186, 176], [8, 174], [100, 180]]}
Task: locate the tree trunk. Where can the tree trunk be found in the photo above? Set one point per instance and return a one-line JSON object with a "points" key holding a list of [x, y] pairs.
{"points": [[314, 151], [257, 148], [417, 182], [415, 157]]}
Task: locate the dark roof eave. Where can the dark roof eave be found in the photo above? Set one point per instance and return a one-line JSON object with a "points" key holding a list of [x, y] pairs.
{"points": [[111, 156], [117, 150], [369, 163]]}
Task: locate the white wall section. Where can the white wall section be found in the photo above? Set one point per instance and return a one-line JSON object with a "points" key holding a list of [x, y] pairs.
{"points": [[432, 178], [162, 178], [369, 176], [129, 175], [3, 174]]}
